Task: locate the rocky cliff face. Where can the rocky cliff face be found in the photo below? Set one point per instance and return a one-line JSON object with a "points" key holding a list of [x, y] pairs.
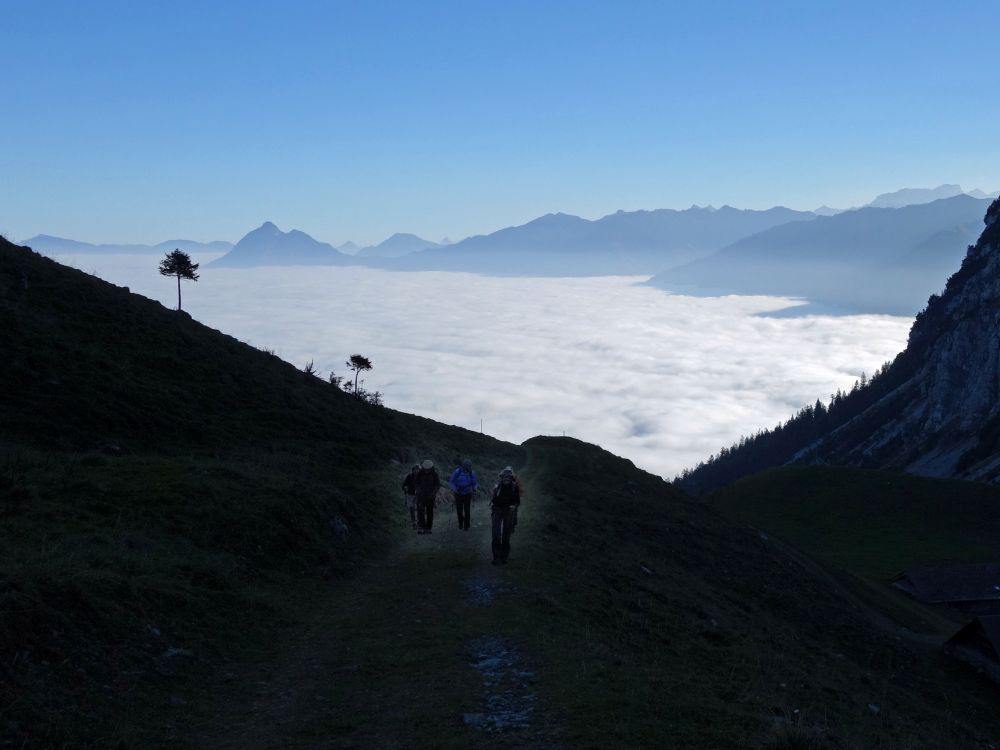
{"points": [[943, 416]]}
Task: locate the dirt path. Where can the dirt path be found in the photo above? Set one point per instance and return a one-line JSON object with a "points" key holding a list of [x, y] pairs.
{"points": [[411, 652]]}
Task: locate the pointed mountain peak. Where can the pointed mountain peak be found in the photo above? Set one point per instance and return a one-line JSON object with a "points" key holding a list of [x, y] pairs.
{"points": [[268, 245]]}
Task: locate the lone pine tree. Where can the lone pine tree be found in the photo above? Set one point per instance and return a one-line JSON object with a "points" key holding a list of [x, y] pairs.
{"points": [[358, 363], [178, 263]]}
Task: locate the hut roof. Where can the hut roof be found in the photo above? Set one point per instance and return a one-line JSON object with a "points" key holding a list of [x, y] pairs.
{"points": [[983, 631], [952, 583]]}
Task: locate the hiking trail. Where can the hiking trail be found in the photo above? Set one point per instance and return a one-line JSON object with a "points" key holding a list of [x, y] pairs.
{"points": [[409, 651]]}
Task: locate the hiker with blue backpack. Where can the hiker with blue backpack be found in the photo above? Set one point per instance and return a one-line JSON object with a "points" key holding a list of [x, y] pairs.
{"points": [[463, 485]]}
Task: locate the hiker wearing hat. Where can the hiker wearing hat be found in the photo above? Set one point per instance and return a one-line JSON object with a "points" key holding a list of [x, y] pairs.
{"points": [[426, 484], [520, 494], [410, 493], [506, 499], [463, 484]]}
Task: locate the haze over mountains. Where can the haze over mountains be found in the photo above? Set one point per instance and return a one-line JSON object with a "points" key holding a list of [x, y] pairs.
{"points": [[874, 259], [622, 243], [399, 244], [44, 243], [885, 257], [916, 196], [910, 197]]}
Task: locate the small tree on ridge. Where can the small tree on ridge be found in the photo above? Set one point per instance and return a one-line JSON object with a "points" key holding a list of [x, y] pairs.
{"points": [[357, 363], [178, 263]]}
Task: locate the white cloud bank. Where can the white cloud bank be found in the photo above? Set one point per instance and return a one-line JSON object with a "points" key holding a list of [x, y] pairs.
{"points": [[660, 379]]}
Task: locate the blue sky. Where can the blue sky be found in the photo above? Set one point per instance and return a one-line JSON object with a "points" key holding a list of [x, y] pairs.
{"points": [[143, 121]]}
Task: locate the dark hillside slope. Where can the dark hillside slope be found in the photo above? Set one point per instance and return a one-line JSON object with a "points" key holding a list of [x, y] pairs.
{"points": [[88, 365], [640, 619], [162, 486], [871, 523], [169, 503], [665, 625], [935, 411]]}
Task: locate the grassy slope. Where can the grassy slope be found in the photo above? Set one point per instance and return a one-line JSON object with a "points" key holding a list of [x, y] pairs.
{"points": [[648, 621], [870, 523], [165, 486], [725, 636]]}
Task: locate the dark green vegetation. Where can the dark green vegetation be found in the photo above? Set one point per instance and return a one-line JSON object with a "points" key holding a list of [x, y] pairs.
{"points": [[871, 523], [777, 446], [685, 626], [171, 574]]}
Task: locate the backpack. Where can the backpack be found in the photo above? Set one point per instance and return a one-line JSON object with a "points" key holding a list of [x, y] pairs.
{"points": [[505, 494], [427, 483], [463, 481]]}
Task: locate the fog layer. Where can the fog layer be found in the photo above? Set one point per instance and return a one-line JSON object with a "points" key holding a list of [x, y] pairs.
{"points": [[661, 379]]}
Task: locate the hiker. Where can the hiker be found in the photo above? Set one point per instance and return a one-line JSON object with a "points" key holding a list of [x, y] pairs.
{"points": [[506, 499], [427, 485], [410, 493], [464, 484], [520, 494]]}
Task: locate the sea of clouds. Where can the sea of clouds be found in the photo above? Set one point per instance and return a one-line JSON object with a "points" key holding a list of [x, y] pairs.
{"points": [[664, 380]]}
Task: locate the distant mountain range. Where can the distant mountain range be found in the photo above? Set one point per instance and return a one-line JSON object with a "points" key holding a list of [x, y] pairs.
{"points": [[396, 246], [349, 248], [626, 242], [886, 257], [871, 259], [916, 196], [911, 197], [44, 243], [269, 246]]}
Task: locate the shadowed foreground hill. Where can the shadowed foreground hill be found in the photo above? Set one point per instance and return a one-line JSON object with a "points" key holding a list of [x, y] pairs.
{"points": [[161, 485], [167, 497], [873, 524]]}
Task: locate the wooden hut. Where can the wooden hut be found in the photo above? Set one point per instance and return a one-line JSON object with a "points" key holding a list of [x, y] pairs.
{"points": [[973, 588], [978, 644]]}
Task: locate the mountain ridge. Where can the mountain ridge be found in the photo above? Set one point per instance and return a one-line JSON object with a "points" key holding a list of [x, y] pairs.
{"points": [[267, 245], [885, 260], [622, 243], [46, 243], [400, 243], [934, 411]]}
